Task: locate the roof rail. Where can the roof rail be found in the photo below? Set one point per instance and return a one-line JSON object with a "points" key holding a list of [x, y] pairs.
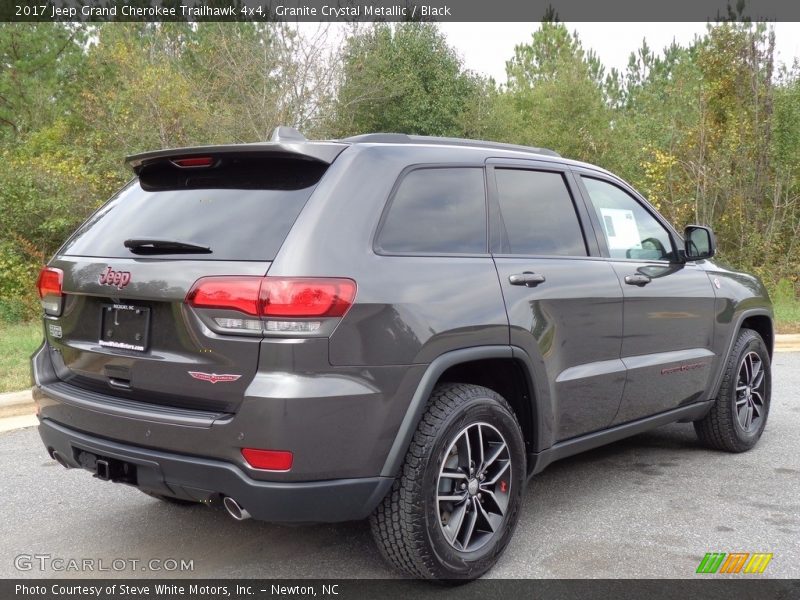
{"points": [[379, 138], [402, 138]]}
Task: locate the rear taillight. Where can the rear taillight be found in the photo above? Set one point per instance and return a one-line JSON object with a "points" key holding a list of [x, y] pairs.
{"points": [[280, 304], [300, 298], [49, 286], [269, 460], [232, 293]]}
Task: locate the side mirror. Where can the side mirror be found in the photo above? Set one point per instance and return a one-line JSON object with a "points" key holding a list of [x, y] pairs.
{"points": [[699, 242]]}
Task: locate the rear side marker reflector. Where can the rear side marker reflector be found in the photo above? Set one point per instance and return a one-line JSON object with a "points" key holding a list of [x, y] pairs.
{"points": [[268, 460], [49, 286]]}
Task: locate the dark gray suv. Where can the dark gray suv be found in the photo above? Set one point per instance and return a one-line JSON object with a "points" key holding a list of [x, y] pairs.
{"points": [[386, 326]]}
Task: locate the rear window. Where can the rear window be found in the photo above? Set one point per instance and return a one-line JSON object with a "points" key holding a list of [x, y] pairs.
{"points": [[437, 211], [242, 210]]}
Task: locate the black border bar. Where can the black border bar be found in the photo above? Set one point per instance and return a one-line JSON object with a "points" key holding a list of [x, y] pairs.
{"points": [[399, 10], [742, 587]]}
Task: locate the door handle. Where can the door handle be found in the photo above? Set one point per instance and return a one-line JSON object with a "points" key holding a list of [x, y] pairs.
{"points": [[527, 279], [638, 279]]}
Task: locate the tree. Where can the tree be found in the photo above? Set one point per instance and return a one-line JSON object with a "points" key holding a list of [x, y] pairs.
{"points": [[403, 78], [39, 62], [256, 76], [556, 95]]}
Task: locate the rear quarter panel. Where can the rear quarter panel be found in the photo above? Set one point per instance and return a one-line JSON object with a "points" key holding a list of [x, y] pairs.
{"points": [[408, 309]]}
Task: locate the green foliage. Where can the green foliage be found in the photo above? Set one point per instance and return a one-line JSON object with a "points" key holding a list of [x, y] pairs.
{"points": [[17, 342], [39, 61], [786, 302], [255, 76], [710, 133], [406, 79], [556, 96], [17, 309], [136, 97]]}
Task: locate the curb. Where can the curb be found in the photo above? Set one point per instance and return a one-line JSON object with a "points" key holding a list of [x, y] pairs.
{"points": [[787, 342], [15, 404], [18, 422]]}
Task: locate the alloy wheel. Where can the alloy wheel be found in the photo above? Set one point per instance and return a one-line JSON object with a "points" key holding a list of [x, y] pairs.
{"points": [[750, 384], [474, 487]]}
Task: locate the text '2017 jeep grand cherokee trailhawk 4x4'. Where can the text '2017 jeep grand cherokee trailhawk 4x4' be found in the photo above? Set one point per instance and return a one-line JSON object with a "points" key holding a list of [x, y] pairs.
{"points": [[386, 325]]}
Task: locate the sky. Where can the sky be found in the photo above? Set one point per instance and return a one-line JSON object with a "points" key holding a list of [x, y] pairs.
{"points": [[485, 47]]}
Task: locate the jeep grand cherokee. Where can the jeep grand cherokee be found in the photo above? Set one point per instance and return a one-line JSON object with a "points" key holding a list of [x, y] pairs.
{"points": [[387, 326]]}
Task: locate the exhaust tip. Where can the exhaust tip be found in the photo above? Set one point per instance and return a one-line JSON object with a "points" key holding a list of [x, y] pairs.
{"points": [[60, 459], [234, 509]]}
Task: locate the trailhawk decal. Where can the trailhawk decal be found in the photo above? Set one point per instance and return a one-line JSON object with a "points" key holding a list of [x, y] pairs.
{"points": [[214, 377], [683, 368]]}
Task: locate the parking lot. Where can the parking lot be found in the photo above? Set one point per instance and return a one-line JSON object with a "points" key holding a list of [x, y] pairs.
{"points": [[649, 506]]}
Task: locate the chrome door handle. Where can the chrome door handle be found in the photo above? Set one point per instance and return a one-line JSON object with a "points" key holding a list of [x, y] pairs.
{"points": [[638, 279], [527, 279]]}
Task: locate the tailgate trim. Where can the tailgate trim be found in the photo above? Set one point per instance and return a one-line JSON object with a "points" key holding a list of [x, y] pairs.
{"points": [[132, 409]]}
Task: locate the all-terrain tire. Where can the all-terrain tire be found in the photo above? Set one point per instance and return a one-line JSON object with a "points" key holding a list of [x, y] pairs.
{"points": [[408, 525], [722, 428]]}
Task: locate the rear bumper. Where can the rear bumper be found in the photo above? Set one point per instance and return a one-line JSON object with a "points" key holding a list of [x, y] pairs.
{"points": [[206, 480], [339, 423]]}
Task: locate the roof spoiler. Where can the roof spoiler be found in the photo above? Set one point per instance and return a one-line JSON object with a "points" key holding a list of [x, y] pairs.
{"points": [[285, 142]]}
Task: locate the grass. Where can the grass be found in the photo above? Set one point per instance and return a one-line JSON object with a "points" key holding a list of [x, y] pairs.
{"points": [[787, 315], [17, 343]]}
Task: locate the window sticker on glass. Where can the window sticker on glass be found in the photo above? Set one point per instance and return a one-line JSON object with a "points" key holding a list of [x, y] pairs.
{"points": [[621, 229]]}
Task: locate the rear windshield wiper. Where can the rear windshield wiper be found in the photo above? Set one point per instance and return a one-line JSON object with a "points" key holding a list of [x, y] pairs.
{"points": [[156, 246]]}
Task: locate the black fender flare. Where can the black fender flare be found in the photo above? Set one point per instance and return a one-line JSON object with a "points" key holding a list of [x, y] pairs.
{"points": [[436, 368], [752, 312]]}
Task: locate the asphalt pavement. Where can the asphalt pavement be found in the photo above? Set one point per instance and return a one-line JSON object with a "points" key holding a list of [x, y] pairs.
{"points": [[650, 506]]}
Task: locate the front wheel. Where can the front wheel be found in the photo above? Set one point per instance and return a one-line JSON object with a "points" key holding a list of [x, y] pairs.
{"points": [[454, 507], [739, 414]]}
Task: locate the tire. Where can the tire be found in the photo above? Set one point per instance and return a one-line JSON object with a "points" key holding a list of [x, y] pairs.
{"points": [[429, 538], [170, 499], [726, 426]]}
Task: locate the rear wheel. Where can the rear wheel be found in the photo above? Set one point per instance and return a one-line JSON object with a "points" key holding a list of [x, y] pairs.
{"points": [[454, 507], [739, 414]]}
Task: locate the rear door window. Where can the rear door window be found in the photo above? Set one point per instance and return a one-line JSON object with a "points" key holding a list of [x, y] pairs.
{"points": [[242, 211], [436, 211], [538, 215]]}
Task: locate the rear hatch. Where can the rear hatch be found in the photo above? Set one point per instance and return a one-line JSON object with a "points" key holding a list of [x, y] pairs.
{"points": [[123, 327]]}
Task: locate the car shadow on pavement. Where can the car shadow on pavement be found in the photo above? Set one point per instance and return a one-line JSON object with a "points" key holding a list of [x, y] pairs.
{"points": [[221, 546], [112, 521]]}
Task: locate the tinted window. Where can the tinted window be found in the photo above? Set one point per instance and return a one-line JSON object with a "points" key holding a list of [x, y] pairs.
{"points": [[437, 211], [237, 224], [538, 214], [630, 231]]}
